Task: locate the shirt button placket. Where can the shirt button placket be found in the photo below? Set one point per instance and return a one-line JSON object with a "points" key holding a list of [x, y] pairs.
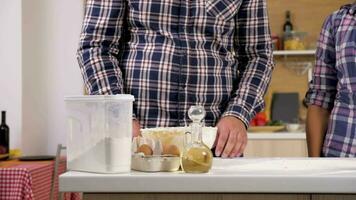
{"points": [[183, 62]]}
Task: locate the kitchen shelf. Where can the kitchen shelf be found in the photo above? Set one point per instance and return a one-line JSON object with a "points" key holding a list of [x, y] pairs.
{"points": [[293, 60], [294, 53]]}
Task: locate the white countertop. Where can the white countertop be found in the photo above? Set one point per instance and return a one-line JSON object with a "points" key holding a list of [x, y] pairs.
{"points": [[277, 136], [242, 175]]}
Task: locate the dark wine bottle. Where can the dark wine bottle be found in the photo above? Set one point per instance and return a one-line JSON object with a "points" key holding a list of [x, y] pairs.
{"points": [[288, 26], [4, 138]]}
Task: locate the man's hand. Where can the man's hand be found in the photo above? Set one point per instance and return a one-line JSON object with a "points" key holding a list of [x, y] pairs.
{"points": [[136, 128], [232, 137]]}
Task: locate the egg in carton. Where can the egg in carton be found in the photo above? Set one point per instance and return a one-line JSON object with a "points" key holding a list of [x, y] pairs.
{"points": [[146, 146], [150, 155], [154, 147]]}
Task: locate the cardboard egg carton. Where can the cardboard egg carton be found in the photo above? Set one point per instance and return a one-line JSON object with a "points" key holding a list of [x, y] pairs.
{"points": [[154, 147]]}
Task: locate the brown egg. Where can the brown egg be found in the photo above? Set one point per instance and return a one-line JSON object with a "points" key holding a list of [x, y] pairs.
{"points": [[164, 148], [171, 150], [145, 149]]}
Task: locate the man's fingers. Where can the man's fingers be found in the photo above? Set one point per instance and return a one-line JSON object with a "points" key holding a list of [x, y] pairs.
{"points": [[136, 129], [223, 135], [235, 150], [216, 140], [242, 147], [230, 144], [241, 150]]}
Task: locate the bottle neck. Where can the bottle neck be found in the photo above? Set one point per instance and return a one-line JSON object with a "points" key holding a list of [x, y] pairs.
{"points": [[196, 132], [288, 17], [3, 117]]}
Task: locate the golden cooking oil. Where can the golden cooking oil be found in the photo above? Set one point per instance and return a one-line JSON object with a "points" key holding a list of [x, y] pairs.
{"points": [[197, 159]]}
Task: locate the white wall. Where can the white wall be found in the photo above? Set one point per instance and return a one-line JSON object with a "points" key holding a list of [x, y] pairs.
{"points": [[50, 71], [10, 67]]}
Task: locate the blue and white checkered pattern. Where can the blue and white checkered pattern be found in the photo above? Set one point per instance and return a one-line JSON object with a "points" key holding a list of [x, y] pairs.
{"points": [[333, 86], [171, 54]]}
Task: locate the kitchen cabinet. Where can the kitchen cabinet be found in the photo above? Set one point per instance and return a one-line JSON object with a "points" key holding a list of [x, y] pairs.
{"points": [[239, 178], [219, 197], [281, 144], [208, 196], [294, 53]]}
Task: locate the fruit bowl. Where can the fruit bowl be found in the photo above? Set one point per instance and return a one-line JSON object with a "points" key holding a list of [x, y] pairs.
{"points": [[293, 127]]}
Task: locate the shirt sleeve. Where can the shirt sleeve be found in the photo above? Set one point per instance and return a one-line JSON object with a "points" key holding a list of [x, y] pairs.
{"points": [[255, 60], [99, 46], [322, 87]]}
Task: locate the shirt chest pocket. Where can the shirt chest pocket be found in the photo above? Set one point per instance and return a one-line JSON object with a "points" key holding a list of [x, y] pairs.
{"points": [[222, 9], [153, 14]]}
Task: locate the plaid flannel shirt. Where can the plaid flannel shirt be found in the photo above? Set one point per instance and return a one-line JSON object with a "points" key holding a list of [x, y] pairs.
{"points": [[173, 54], [333, 86]]}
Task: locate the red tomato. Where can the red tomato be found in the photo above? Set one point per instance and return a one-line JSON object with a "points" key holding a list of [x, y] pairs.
{"points": [[261, 122], [261, 116], [261, 119], [253, 122]]}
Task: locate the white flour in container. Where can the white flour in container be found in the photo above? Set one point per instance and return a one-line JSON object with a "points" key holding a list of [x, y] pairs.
{"points": [[109, 155]]}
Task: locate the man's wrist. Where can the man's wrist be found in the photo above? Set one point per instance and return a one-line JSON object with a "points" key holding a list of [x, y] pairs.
{"points": [[236, 118], [109, 90], [241, 112]]}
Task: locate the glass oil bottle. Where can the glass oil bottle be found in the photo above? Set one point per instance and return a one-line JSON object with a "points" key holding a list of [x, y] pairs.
{"points": [[196, 156]]}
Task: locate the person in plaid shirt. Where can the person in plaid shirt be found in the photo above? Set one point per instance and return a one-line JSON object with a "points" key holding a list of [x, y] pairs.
{"points": [[331, 118], [172, 54]]}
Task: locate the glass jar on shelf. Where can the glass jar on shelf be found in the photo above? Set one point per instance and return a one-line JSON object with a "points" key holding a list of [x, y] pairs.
{"points": [[294, 41]]}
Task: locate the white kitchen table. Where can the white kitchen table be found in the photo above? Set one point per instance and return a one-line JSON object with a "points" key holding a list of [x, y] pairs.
{"points": [[240, 178]]}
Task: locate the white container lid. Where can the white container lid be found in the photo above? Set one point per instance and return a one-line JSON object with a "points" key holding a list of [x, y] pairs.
{"points": [[125, 97]]}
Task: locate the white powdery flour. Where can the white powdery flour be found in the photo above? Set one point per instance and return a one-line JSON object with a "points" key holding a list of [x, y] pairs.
{"points": [[109, 155]]}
